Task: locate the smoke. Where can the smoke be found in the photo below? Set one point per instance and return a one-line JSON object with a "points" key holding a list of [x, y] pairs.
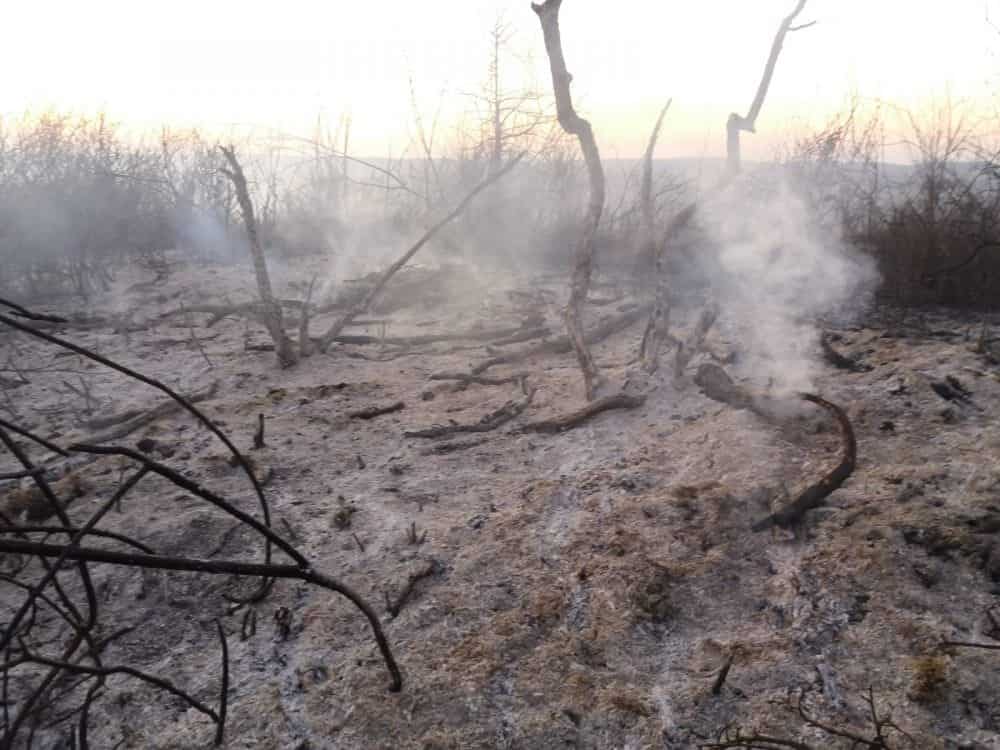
{"points": [[776, 262]]}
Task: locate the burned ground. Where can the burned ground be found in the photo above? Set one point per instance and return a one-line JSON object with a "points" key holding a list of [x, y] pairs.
{"points": [[579, 589]]}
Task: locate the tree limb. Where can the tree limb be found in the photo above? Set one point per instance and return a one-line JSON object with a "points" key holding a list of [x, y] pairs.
{"points": [[572, 123], [748, 123]]}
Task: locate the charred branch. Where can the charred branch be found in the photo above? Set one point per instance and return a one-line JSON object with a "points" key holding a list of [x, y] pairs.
{"points": [[270, 309], [395, 606], [604, 329], [124, 424], [837, 359], [572, 123], [815, 495], [258, 436], [883, 732], [687, 350], [717, 385], [493, 420], [647, 248], [578, 417], [370, 412], [748, 122]]}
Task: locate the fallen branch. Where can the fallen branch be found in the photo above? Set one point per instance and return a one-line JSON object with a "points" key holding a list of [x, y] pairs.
{"points": [[720, 678], [578, 417], [494, 336], [491, 421], [465, 379], [394, 607], [837, 359], [453, 447], [561, 345], [882, 728], [687, 350], [526, 334], [815, 495], [716, 384], [258, 436], [23, 312], [971, 644], [132, 422], [371, 412]]}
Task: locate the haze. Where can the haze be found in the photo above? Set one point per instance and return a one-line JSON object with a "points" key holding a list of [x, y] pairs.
{"points": [[257, 65]]}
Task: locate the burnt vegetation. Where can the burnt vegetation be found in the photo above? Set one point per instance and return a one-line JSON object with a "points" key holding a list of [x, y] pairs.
{"points": [[676, 402]]}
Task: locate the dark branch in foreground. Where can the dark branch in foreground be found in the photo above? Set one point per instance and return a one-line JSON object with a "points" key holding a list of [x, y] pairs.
{"points": [[815, 495], [578, 417], [215, 567], [716, 384], [52, 688]]}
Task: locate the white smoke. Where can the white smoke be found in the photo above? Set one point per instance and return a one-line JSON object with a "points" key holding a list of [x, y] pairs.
{"points": [[775, 264]]}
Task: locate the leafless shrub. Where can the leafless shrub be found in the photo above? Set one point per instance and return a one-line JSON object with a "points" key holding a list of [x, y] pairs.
{"points": [[933, 226]]}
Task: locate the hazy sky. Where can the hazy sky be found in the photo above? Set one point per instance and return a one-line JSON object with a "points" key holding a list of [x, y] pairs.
{"points": [[277, 65]]}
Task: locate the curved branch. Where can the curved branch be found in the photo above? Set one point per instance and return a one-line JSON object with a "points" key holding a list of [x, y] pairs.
{"points": [[814, 495], [216, 567], [572, 123], [191, 409]]}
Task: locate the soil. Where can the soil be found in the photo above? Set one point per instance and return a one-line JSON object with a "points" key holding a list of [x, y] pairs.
{"points": [[581, 589]]}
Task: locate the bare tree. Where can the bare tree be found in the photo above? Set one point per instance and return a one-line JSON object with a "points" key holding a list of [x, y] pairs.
{"points": [[269, 310], [572, 123], [656, 330], [509, 118], [748, 123], [647, 249]]}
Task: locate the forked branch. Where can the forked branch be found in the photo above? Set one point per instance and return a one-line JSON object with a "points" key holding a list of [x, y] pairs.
{"points": [[748, 123]]}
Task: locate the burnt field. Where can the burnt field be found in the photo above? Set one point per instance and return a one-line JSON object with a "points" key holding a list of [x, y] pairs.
{"points": [[593, 582], [489, 441]]}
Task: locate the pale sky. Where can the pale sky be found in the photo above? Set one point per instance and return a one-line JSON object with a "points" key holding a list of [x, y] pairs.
{"points": [[278, 65]]}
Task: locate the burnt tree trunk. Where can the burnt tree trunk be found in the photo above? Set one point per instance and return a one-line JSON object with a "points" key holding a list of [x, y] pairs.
{"points": [[572, 123], [657, 329], [748, 123], [647, 248], [270, 309]]}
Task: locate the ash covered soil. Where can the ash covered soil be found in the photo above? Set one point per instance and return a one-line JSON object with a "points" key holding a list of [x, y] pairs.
{"points": [[584, 589]]}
